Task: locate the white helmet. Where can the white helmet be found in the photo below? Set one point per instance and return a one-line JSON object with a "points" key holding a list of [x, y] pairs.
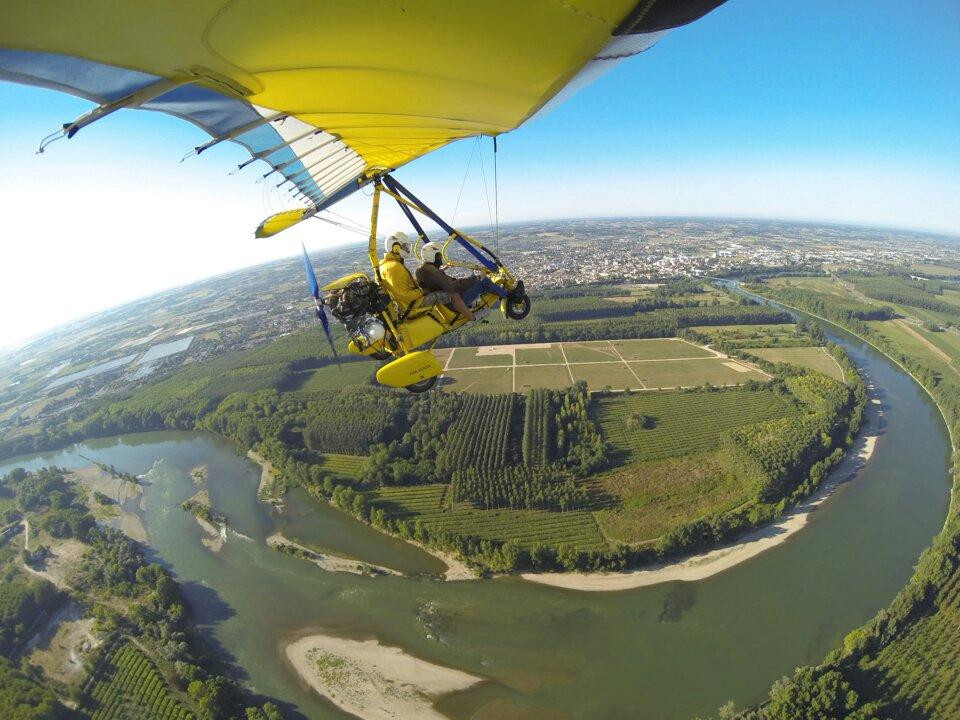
{"points": [[400, 241], [429, 252]]}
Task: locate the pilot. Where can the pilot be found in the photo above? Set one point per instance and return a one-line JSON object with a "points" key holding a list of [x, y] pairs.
{"points": [[399, 283], [431, 277]]}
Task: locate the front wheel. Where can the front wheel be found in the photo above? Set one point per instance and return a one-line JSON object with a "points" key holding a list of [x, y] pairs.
{"points": [[423, 386], [518, 308]]}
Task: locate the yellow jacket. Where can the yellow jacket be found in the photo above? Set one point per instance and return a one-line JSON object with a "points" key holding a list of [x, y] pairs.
{"points": [[398, 281]]}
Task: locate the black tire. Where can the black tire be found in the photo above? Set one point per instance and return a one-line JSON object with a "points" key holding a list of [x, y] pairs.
{"points": [[518, 307], [423, 386]]}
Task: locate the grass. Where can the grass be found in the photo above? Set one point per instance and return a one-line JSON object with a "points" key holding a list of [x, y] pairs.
{"points": [[342, 466], [692, 373], [659, 495], [815, 358], [527, 527], [485, 380], [937, 270], [825, 285], [619, 365], [541, 376], [530, 356], [685, 422], [658, 349], [589, 351], [597, 377], [468, 357]]}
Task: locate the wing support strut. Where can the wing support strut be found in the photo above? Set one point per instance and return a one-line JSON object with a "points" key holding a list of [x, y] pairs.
{"points": [[133, 100]]}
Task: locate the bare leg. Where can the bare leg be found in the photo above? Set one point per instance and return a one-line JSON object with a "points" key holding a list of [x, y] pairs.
{"points": [[460, 306]]}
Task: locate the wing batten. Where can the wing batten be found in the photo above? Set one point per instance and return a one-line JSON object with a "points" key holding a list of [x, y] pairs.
{"points": [[322, 95]]}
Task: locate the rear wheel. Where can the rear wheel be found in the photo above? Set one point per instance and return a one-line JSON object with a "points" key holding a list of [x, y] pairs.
{"points": [[423, 386], [518, 307]]}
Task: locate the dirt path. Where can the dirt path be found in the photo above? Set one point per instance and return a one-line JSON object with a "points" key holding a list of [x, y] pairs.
{"points": [[927, 344]]}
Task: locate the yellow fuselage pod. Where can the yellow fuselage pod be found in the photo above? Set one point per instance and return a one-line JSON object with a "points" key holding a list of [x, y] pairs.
{"points": [[409, 369]]}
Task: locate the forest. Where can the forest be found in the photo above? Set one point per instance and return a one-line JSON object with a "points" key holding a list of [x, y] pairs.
{"points": [[130, 599], [884, 668]]}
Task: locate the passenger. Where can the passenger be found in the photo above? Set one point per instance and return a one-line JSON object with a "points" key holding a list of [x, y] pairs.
{"points": [[431, 277], [399, 283]]}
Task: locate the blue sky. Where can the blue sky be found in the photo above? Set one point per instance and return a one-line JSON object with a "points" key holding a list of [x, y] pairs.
{"points": [[838, 110]]}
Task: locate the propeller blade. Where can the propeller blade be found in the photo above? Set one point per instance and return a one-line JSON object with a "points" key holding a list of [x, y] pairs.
{"points": [[311, 276], [321, 313]]}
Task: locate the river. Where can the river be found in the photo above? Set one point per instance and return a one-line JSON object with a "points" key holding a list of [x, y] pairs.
{"points": [[668, 651]]}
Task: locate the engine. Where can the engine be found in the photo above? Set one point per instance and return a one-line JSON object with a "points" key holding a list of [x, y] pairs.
{"points": [[357, 306]]}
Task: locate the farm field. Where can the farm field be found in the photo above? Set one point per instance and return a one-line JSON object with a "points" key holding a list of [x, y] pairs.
{"points": [[825, 285], [618, 364], [128, 686], [747, 336], [660, 495], [493, 380], [691, 373], [685, 422], [937, 270], [920, 343], [342, 466], [528, 527], [815, 358]]}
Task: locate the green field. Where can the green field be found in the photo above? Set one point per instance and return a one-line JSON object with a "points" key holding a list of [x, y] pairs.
{"points": [[545, 376], [341, 466], [598, 376], [472, 357], [751, 336], [582, 352], [917, 342], [660, 495], [528, 527], [815, 358], [539, 356], [658, 349], [692, 373], [937, 270], [825, 285], [617, 364], [686, 422], [127, 685], [492, 380]]}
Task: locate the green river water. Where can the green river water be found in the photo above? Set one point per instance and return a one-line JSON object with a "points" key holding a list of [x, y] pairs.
{"points": [[668, 651]]}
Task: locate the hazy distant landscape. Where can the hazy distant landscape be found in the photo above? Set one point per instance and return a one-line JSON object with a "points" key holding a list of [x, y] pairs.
{"points": [[649, 422]]}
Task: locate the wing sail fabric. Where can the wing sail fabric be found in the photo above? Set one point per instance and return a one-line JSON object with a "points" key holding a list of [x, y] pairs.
{"points": [[326, 92]]}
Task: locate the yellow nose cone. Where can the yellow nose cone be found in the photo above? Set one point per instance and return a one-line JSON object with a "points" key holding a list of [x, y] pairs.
{"points": [[409, 369]]}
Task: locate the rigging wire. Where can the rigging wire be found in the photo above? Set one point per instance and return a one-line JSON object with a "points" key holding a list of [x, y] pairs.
{"points": [[453, 218], [486, 190]]}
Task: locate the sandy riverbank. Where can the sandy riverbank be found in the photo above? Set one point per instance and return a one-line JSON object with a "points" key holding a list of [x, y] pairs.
{"points": [[704, 565], [457, 569], [126, 495], [265, 490], [330, 563], [373, 681], [216, 535]]}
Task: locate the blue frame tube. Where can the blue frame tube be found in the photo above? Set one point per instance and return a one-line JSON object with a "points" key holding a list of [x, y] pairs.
{"points": [[401, 190]]}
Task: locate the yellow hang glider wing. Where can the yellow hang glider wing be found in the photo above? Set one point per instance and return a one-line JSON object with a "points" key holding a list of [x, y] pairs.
{"points": [[329, 92]]}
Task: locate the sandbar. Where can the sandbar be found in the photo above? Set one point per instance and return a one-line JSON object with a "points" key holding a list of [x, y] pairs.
{"points": [[374, 681], [330, 563]]}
